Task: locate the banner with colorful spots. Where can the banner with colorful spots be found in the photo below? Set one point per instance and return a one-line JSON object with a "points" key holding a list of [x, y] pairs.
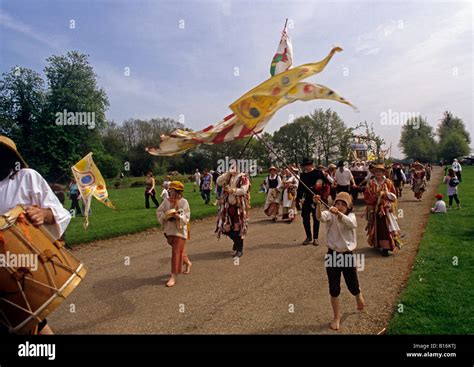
{"points": [[254, 109], [91, 184], [231, 128], [263, 100]]}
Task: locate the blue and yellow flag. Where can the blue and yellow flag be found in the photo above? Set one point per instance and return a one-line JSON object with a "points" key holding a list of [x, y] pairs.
{"points": [[90, 184]]}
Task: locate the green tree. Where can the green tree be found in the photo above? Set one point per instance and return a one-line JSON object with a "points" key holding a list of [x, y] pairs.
{"points": [[22, 97], [450, 123], [31, 115], [331, 135], [454, 145], [72, 89], [417, 140], [294, 141]]}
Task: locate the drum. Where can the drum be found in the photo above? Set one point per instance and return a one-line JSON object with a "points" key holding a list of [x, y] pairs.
{"points": [[36, 272]]}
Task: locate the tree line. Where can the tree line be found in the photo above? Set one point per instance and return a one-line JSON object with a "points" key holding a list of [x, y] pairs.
{"points": [[49, 119], [420, 141]]}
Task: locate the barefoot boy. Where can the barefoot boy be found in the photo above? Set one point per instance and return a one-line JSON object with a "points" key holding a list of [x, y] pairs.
{"points": [[341, 238]]}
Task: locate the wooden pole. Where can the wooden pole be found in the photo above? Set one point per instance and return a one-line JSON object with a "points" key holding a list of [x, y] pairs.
{"points": [[287, 166]]}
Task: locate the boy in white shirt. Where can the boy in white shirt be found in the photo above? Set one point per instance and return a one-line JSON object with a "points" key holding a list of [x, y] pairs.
{"points": [[341, 239]]}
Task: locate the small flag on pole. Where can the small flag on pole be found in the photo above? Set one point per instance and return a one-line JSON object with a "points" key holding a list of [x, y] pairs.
{"points": [[283, 58], [90, 184]]}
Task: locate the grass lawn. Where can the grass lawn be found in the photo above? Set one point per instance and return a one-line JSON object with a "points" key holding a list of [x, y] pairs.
{"points": [[439, 296], [131, 215]]}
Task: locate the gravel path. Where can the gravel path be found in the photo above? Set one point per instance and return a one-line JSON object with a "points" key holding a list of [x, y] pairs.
{"points": [[279, 286]]}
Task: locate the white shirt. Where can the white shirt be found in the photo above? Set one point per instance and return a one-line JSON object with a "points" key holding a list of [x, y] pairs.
{"points": [[440, 206], [456, 166], [341, 233], [232, 180], [29, 188], [343, 178], [177, 227], [165, 194]]}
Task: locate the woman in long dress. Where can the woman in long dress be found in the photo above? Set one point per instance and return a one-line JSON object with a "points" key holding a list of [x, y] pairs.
{"points": [[290, 184], [419, 181], [381, 197], [174, 215], [273, 184]]}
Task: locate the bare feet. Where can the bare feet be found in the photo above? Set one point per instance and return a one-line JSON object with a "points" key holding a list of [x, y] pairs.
{"points": [[337, 313], [188, 267], [172, 281], [46, 330], [360, 302]]}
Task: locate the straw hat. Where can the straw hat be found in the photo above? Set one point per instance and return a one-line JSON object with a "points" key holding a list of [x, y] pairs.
{"points": [[379, 166], [345, 197], [272, 168], [418, 164], [11, 146], [176, 185]]}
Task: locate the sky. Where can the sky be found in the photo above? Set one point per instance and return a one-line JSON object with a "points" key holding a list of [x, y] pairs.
{"points": [[189, 60]]}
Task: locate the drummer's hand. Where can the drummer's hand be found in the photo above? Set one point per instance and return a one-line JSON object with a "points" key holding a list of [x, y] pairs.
{"points": [[39, 216], [317, 199]]}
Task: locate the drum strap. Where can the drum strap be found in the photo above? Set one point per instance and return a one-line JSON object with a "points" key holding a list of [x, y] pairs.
{"points": [[20, 274], [59, 244], [48, 255]]}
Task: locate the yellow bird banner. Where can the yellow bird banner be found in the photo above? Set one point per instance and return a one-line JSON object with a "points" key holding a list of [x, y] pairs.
{"points": [[90, 184], [231, 128], [254, 109], [264, 100]]}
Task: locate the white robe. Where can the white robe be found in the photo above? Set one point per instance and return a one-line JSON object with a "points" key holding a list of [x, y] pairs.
{"points": [[29, 188], [286, 202]]}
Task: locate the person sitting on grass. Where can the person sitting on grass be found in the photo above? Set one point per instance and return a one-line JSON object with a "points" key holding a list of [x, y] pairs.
{"points": [[440, 205], [341, 241]]}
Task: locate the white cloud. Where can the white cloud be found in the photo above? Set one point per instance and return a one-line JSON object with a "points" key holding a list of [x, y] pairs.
{"points": [[370, 43], [414, 69], [7, 21]]}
